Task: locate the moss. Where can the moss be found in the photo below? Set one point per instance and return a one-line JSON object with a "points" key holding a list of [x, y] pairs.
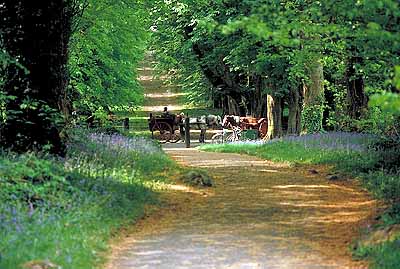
{"points": [[197, 178]]}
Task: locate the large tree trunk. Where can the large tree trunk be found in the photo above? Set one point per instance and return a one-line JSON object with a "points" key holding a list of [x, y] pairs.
{"points": [[357, 100], [233, 106], [259, 104], [274, 116], [313, 103], [294, 121], [37, 33]]}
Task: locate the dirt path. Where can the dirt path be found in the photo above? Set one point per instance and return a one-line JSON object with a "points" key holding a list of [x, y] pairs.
{"points": [[262, 216], [258, 215]]}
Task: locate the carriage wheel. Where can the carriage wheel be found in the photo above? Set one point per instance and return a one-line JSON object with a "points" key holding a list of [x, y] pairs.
{"points": [[217, 138], [263, 129], [175, 136], [230, 138], [235, 136], [162, 131]]}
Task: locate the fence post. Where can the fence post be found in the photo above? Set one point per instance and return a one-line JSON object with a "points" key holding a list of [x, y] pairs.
{"points": [[202, 138], [151, 125], [187, 132], [126, 123]]}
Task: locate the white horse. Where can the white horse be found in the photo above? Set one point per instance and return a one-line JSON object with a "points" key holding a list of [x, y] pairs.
{"points": [[213, 121], [204, 121]]}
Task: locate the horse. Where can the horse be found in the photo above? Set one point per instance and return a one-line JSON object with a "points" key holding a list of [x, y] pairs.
{"points": [[230, 121], [203, 121], [213, 121], [245, 123]]}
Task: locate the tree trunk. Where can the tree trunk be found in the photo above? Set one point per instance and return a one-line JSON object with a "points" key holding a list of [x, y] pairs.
{"points": [[233, 106], [294, 121], [357, 100], [259, 100], [274, 116], [37, 33], [313, 104]]}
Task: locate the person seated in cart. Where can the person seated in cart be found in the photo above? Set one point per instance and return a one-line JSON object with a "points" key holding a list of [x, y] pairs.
{"points": [[166, 113]]}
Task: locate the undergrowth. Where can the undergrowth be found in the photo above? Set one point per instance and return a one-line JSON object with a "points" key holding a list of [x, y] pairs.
{"points": [[65, 210], [375, 162]]}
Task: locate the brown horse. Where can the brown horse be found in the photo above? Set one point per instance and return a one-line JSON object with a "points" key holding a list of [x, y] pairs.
{"points": [[246, 123]]}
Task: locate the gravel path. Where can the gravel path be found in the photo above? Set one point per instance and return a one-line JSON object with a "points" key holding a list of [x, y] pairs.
{"points": [[258, 215]]}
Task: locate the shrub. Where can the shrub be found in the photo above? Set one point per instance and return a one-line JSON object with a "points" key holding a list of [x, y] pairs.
{"points": [[388, 150], [64, 210], [36, 182]]}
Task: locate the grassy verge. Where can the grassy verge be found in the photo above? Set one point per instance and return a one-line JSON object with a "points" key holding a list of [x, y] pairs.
{"points": [[348, 154], [63, 211]]}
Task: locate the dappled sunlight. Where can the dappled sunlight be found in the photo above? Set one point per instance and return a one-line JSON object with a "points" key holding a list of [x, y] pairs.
{"points": [[146, 78], [265, 190], [268, 170], [227, 163], [315, 187], [340, 217], [298, 194], [324, 204], [147, 253], [183, 188], [332, 219], [303, 186], [219, 160], [164, 95]]}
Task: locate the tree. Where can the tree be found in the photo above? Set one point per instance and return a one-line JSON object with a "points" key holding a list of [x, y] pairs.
{"points": [[321, 59], [106, 48], [389, 103], [36, 34]]}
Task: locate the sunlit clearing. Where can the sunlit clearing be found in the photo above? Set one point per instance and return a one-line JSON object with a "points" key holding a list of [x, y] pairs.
{"points": [[161, 108]]}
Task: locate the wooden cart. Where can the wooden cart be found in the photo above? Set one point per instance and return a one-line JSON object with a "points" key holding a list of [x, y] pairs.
{"points": [[165, 128]]}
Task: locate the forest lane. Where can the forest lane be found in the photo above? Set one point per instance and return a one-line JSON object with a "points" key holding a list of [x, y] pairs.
{"points": [[258, 215]]}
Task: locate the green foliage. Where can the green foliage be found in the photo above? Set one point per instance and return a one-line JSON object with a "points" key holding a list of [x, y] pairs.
{"points": [[388, 150], [5, 61], [389, 102], [384, 255], [106, 49], [31, 179], [312, 117], [374, 121], [66, 210], [231, 45], [338, 118], [37, 37]]}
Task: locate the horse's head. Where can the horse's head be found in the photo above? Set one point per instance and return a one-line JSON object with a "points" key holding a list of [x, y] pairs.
{"points": [[179, 118], [229, 121], [218, 120]]}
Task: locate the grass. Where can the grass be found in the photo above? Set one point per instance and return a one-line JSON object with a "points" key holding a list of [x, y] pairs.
{"points": [[350, 154], [65, 210], [383, 256], [295, 153]]}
